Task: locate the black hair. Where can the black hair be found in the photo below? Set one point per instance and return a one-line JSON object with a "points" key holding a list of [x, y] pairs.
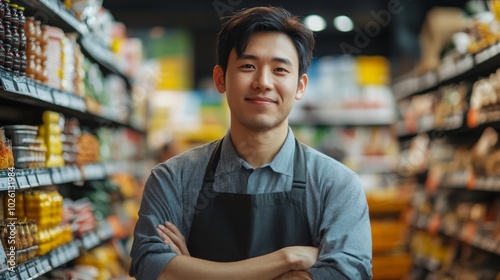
{"points": [[239, 27]]}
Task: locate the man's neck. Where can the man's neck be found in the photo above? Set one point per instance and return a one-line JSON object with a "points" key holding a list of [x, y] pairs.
{"points": [[258, 148]]}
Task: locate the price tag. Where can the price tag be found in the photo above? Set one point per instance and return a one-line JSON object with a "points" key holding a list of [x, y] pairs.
{"points": [[76, 248], [21, 85], [4, 180], [11, 275], [45, 264], [61, 255], [32, 89], [60, 98], [78, 103], [54, 259], [78, 173], [31, 269], [22, 182], [43, 177], [23, 272], [7, 82], [33, 182], [56, 176], [39, 266], [44, 93], [87, 242]]}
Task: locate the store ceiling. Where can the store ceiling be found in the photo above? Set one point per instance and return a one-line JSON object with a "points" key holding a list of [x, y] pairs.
{"points": [[202, 19]]}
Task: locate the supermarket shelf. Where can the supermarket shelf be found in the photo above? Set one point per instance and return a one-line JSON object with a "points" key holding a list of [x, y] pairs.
{"points": [[21, 179], [454, 123], [26, 91], [466, 233], [345, 117], [56, 14], [467, 67], [59, 256], [468, 180]]}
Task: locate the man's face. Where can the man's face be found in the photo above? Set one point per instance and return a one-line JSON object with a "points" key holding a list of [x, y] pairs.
{"points": [[263, 84]]}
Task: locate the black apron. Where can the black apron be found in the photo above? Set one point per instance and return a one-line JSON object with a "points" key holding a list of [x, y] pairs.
{"points": [[232, 227]]}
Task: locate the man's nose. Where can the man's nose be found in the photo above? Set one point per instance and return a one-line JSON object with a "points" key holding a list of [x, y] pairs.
{"points": [[263, 80]]}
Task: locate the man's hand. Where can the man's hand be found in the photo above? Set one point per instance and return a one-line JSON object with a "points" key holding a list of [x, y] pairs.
{"points": [[294, 275], [301, 257], [171, 235]]}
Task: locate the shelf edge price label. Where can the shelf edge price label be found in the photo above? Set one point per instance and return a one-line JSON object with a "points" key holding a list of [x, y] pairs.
{"points": [[8, 83], [56, 176], [23, 272], [39, 266], [32, 180], [4, 180], [44, 93], [43, 177], [32, 89], [32, 271], [45, 264], [22, 182], [22, 85]]}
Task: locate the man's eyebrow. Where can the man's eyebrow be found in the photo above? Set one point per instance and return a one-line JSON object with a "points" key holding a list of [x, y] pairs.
{"points": [[277, 59]]}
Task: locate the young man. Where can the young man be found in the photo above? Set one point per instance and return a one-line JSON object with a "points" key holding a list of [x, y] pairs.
{"points": [[256, 204]]}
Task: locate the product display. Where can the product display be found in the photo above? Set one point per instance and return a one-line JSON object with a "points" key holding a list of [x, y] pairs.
{"points": [[73, 130], [448, 132]]}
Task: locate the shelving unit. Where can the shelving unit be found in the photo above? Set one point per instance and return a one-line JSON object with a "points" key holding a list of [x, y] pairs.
{"points": [[59, 256], [23, 101], [446, 184], [54, 13]]}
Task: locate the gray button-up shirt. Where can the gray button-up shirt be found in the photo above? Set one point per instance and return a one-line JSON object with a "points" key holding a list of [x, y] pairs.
{"points": [[336, 206]]}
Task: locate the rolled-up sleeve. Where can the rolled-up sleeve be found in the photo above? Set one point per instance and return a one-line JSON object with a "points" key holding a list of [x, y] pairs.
{"points": [[160, 203], [345, 233]]}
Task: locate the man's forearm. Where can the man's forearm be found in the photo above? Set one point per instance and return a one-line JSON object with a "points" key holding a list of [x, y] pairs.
{"points": [[264, 267]]}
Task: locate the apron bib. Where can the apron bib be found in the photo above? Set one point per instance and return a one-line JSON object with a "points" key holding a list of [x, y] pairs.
{"points": [[234, 227]]}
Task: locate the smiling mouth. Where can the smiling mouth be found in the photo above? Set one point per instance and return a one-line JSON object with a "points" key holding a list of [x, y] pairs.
{"points": [[260, 100]]}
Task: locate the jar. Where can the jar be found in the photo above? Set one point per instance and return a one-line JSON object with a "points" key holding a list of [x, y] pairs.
{"points": [[2, 30], [38, 30], [22, 39], [2, 54], [31, 67], [34, 231], [29, 28], [15, 37], [22, 18], [7, 15], [2, 9], [22, 235], [9, 58], [14, 18], [24, 62], [31, 47], [8, 33], [16, 61], [38, 70]]}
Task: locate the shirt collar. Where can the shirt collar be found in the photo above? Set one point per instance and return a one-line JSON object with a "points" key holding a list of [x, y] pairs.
{"points": [[282, 162]]}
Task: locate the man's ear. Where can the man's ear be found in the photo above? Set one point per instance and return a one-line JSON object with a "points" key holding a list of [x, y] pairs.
{"points": [[219, 79], [302, 87]]}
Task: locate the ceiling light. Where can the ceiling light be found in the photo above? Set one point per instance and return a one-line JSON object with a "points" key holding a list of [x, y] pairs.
{"points": [[315, 22], [343, 23]]}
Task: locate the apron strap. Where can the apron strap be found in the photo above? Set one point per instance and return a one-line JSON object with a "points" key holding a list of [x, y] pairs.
{"points": [[299, 166]]}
